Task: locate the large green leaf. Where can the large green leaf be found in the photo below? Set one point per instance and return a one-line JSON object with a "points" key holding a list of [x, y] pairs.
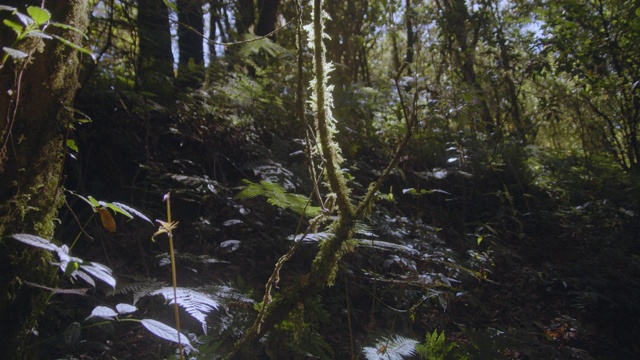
{"points": [[103, 312], [36, 241], [165, 332], [15, 53], [40, 16]]}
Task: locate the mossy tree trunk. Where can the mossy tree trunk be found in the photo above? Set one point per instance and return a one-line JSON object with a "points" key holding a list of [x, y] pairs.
{"points": [[325, 264], [35, 113]]}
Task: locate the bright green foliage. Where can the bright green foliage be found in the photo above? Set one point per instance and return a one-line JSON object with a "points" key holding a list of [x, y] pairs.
{"points": [[594, 46], [32, 25], [277, 196], [435, 347]]}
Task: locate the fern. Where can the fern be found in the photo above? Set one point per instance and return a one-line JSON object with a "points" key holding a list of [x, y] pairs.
{"points": [[196, 303], [394, 348], [277, 196], [140, 288], [434, 347], [274, 172], [164, 259]]}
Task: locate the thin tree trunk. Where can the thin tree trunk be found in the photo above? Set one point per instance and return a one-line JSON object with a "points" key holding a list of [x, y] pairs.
{"points": [[155, 59], [190, 31]]}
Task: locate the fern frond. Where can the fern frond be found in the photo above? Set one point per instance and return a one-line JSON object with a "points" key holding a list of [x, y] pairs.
{"points": [[164, 259], [140, 287], [274, 172], [196, 303], [394, 348], [277, 196]]}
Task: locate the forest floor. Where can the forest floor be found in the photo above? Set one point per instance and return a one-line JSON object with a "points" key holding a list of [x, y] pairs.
{"points": [[547, 268]]}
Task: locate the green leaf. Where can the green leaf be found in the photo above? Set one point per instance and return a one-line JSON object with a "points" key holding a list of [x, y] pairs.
{"points": [[100, 272], [38, 34], [14, 53], [14, 26], [69, 27], [72, 334], [126, 209], [26, 20], [93, 202], [40, 16], [124, 309], [83, 199], [71, 144], [165, 332], [103, 312], [71, 267], [76, 47], [36, 241], [118, 210], [277, 196]]}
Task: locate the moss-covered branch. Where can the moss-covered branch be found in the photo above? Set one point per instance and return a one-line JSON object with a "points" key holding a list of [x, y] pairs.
{"points": [[325, 264]]}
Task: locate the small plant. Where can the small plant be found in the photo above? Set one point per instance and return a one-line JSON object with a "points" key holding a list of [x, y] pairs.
{"points": [[71, 266], [435, 347], [33, 25], [197, 304]]}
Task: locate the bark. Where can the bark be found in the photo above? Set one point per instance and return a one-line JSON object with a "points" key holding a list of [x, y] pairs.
{"points": [[268, 15], [155, 59], [245, 16], [33, 120], [410, 35], [190, 30]]}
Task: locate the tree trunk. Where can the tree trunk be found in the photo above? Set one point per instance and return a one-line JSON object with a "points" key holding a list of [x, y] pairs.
{"points": [[268, 10], [155, 59], [190, 30], [455, 18], [245, 16], [408, 13], [34, 117]]}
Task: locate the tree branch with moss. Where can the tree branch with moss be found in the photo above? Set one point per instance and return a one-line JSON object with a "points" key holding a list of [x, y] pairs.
{"points": [[325, 264]]}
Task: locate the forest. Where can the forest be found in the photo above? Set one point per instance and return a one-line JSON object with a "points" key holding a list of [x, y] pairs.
{"points": [[289, 179]]}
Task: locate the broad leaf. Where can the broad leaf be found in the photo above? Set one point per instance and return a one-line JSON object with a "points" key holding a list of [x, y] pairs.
{"points": [[103, 312], [14, 53], [165, 332], [126, 309], [40, 16], [107, 220], [36, 241], [126, 209], [99, 272]]}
